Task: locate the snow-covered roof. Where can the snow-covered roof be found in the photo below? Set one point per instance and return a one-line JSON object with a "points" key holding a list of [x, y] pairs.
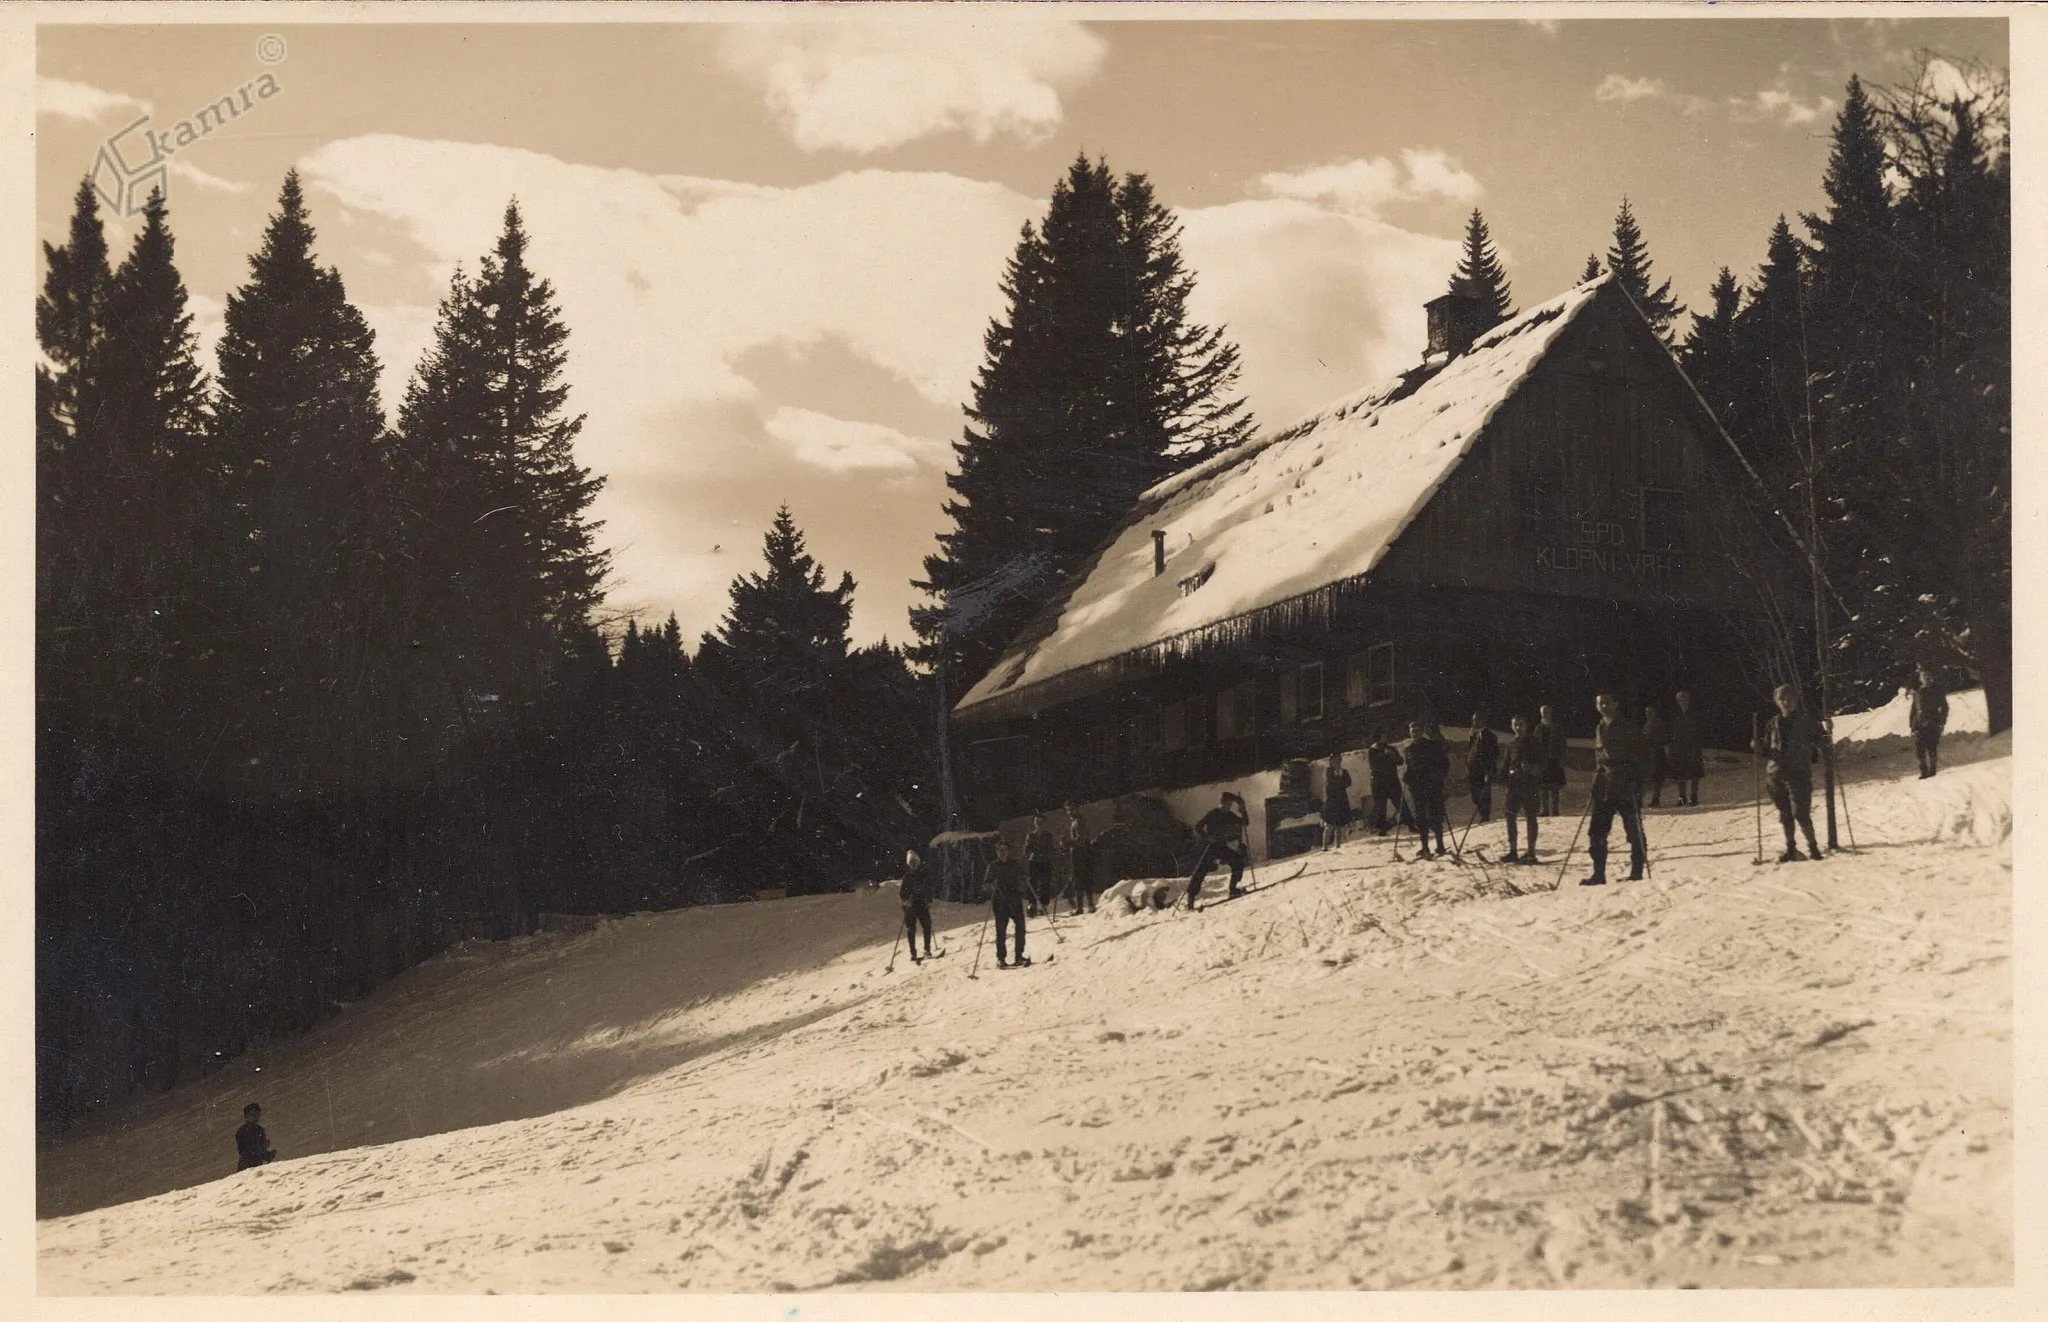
{"points": [[1285, 514]]}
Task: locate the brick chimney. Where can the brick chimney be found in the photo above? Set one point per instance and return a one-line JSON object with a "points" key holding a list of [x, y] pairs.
{"points": [[1158, 552], [1455, 320]]}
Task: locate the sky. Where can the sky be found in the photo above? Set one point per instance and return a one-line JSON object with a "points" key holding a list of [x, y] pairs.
{"points": [[777, 241]]}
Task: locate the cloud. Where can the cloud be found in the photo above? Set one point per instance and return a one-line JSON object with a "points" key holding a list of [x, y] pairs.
{"points": [[80, 101], [181, 168], [1620, 87], [1320, 300], [1784, 106], [1364, 185], [840, 446], [673, 289], [881, 82]]}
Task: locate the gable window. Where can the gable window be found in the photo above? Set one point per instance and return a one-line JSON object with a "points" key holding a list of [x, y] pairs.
{"points": [[1663, 519]]}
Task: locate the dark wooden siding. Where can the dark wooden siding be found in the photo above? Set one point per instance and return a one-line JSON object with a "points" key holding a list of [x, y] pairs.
{"points": [[1552, 500]]}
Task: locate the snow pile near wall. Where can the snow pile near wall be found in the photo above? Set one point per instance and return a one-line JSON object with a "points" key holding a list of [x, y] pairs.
{"points": [[1316, 503], [1965, 716]]}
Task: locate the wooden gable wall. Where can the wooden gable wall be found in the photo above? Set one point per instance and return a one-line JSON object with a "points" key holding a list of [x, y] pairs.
{"points": [[1552, 501]]}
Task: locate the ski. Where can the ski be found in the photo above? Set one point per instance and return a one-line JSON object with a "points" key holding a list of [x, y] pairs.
{"points": [[1253, 890]]}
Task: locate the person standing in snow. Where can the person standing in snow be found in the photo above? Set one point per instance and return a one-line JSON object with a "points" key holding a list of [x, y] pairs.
{"points": [[1688, 755], [1081, 885], [1429, 771], [1522, 765], [1618, 757], [1927, 718], [1790, 746], [1007, 887], [1482, 752], [1552, 736], [915, 890], [1656, 739], [1223, 832], [252, 1145], [1039, 849], [1336, 801], [1383, 761]]}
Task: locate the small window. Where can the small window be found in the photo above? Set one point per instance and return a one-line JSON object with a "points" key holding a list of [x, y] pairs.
{"points": [[1290, 697], [1663, 519], [1235, 713], [1355, 680], [1309, 702], [1174, 732], [1379, 675]]}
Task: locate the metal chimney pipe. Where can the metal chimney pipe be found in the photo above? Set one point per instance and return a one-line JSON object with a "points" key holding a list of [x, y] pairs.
{"points": [[1158, 552]]}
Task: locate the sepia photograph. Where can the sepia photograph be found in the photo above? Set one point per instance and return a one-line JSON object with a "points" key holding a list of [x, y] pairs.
{"points": [[824, 648]]}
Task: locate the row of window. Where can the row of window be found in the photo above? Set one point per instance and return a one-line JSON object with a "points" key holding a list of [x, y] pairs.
{"points": [[1233, 713]]}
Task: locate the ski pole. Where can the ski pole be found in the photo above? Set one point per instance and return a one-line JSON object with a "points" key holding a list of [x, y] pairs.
{"points": [[1458, 850], [1842, 784], [980, 937], [1756, 750], [1643, 834], [1567, 860], [896, 943]]}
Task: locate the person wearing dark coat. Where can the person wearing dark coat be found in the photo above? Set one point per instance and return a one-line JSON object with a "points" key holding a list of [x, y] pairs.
{"points": [[1039, 852], [1552, 736], [1482, 753], [1656, 742], [1927, 718], [1688, 755], [1618, 757], [1790, 746], [252, 1145], [1522, 765], [1336, 801], [1081, 884], [915, 890], [1223, 831], [1007, 888], [1384, 762], [1429, 772]]}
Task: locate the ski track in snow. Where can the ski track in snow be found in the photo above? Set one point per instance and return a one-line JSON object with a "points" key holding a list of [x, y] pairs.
{"points": [[1377, 1076]]}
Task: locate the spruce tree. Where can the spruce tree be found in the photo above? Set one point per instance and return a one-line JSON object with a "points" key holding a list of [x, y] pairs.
{"points": [[297, 431], [497, 506], [1480, 274], [1592, 268], [1094, 385], [1629, 259], [785, 632], [1708, 354]]}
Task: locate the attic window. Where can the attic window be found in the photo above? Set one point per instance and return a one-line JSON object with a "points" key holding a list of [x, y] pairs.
{"points": [[1196, 579]]}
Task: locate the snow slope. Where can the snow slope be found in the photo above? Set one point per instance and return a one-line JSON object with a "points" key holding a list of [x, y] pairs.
{"points": [[1377, 1075]]}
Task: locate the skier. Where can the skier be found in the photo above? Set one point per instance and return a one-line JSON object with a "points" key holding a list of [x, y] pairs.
{"points": [[1656, 739], [1223, 834], [1927, 719], [1081, 886], [1790, 746], [1553, 760], [1384, 762], [1482, 752], [1617, 788], [1688, 761], [1039, 850], [1336, 801], [1429, 767], [252, 1145], [915, 891], [1523, 767], [1007, 889]]}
